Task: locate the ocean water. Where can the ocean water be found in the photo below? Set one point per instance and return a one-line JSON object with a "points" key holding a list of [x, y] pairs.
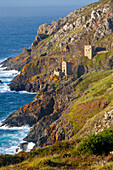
{"points": [[9, 102], [18, 28]]}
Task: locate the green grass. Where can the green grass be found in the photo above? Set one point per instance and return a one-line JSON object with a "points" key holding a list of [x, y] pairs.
{"points": [[90, 78], [84, 113], [93, 89], [67, 155]]}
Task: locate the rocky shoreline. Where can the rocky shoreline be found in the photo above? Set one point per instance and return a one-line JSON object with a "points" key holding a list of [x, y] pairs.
{"points": [[62, 40], [46, 108]]}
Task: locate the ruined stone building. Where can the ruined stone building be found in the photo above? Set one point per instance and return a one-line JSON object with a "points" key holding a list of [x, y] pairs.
{"points": [[57, 72], [67, 68], [89, 51]]}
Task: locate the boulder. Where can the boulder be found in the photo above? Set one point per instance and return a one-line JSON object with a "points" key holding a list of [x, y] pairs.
{"points": [[44, 29], [94, 15], [66, 27]]}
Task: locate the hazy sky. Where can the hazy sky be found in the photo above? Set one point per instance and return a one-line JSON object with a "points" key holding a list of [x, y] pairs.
{"points": [[25, 3]]}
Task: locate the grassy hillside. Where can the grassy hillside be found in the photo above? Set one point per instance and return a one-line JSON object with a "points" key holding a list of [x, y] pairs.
{"points": [[96, 89], [94, 97], [90, 153], [80, 101]]}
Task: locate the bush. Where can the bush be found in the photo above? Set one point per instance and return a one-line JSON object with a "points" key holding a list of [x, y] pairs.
{"points": [[99, 144]]}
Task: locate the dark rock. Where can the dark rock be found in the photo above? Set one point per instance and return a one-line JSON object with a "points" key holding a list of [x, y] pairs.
{"points": [[38, 62], [23, 146], [1, 82], [37, 134], [38, 38], [18, 83], [80, 71], [31, 113]]}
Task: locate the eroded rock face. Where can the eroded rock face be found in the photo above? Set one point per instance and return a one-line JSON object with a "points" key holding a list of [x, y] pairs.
{"points": [[48, 29], [31, 113], [37, 133], [17, 63], [46, 108], [83, 26], [44, 29], [65, 37], [62, 128], [39, 37], [40, 133], [19, 83], [57, 126]]}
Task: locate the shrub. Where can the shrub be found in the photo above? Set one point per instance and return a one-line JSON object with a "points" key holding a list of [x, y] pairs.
{"points": [[99, 144]]}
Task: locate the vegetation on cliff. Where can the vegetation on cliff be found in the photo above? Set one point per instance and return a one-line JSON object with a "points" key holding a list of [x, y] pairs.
{"points": [[73, 114], [89, 153], [78, 150], [65, 39]]}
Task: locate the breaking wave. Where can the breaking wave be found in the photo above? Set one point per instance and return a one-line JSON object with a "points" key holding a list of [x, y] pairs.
{"points": [[6, 77], [11, 137], [5, 127]]}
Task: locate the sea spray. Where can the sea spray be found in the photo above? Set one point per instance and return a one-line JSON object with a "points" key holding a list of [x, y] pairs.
{"points": [[25, 146], [6, 76], [18, 30], [10, 137]]}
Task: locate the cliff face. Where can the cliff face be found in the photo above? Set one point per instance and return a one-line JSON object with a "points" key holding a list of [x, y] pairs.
{"points": [[65, 39], [31, 113], [64, 104], [82, 116], [48, 101]]}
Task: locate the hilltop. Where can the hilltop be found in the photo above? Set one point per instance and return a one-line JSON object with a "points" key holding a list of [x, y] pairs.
{"points": [[66, 108], [65, 39]]}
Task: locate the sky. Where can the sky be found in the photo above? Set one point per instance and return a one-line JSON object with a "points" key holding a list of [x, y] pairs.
{"points": [[29, 3]]}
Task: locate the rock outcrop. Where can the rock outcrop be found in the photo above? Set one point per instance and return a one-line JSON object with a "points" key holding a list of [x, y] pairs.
{"points": [[62, 40], [46, 102], [31, 113]]}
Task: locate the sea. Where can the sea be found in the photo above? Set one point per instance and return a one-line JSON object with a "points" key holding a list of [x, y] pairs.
{"points": [[18, 28]]}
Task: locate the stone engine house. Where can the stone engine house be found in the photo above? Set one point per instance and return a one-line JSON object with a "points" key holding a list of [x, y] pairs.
{"points": [[67, 68], [89, 51]]}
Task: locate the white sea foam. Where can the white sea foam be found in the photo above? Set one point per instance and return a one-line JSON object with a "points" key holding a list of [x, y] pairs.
{"points": [[14, 128], [25, 92], [12, 150], [17, 149], [14, 138], [2, 68], [30, 146], [8, 73], [14, 135], [4, 88], [6, 77]]}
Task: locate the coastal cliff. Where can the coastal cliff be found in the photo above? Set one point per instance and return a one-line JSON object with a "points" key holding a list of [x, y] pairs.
{"points": [[65, 39], [65, 103]]}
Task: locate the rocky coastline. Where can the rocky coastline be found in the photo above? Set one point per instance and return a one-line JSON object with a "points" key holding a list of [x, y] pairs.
{"points": [[62, 40]]}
